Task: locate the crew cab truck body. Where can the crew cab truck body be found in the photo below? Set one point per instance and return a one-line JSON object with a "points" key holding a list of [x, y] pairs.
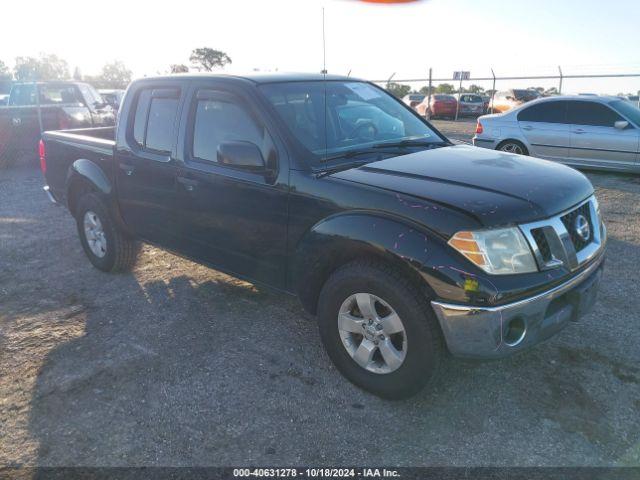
{"points": [[38, 106], [404, 245]]}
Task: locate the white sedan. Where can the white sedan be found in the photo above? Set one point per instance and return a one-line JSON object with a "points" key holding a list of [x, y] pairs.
{"points": [[599, 132]]}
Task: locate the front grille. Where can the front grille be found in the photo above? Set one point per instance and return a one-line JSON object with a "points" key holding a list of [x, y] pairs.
{"points": [[556, 241], [543, 244], [569, 223]]}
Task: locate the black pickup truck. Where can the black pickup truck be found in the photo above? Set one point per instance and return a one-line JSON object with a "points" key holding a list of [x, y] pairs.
{"points": [[37, 106], [406, 247]]}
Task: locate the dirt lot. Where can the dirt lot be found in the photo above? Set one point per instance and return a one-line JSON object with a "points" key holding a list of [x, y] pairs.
{"points": [[176, 364]]}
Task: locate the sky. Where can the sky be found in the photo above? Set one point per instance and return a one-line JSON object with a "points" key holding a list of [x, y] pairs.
{"points": [[515, 38]]}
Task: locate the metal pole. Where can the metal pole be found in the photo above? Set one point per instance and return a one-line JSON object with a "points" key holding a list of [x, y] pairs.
{"points": [[389, 79], [349, 74], [428, 110], [560, 89], [493, 93], [459, 93], [35, 86]]}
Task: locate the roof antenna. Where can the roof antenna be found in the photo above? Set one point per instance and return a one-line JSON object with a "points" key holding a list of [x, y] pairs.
{"points": [[324, 48]]}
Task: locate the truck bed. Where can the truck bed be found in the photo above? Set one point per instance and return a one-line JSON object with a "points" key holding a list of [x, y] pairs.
{"points": [[64, 147]]}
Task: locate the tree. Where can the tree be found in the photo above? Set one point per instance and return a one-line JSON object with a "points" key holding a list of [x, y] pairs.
{"points": [[179, 68], [445, 88], [475, 89], [77, 75], [208, 58], [114, 75], [5, 73], [45, 67], [398, 89], [551, 91], [425, 90]]}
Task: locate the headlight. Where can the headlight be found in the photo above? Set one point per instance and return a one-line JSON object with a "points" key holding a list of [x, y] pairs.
{"points": [[500, 252]]}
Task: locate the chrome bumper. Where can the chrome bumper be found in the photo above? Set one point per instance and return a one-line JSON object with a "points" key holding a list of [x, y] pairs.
{"points": [[495, 332]]}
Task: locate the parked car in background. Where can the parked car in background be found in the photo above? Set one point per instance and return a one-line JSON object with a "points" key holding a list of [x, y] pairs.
{"points": [[403, 245], [601, 132], [471, 104], [507, 99], [112, 97], [413, 99], [633, 100], [35, 107], [486, 100], [441, 106]]}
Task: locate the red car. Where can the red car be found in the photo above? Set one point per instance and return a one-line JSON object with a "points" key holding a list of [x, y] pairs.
{"points": [[441, 106]]}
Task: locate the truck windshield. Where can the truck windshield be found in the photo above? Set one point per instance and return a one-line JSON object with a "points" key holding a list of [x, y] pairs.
{"points": [[334, 117]]}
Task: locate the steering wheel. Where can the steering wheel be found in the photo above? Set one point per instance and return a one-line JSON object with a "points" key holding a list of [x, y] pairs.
{"points": [[355, 133]]}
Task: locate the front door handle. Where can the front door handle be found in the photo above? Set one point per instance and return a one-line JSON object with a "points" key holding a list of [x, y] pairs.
{"points": [[188, 183], [128, 168], [579, 131], [527, 127]]}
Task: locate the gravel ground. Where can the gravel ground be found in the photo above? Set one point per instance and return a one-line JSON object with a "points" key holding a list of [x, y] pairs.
{"points": [[177, 364]]}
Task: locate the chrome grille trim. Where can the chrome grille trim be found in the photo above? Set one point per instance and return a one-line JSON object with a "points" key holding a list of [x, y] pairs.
{"points": [[563, 250]]}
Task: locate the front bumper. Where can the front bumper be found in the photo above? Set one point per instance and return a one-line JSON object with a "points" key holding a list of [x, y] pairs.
{"points": [[495, 332]]}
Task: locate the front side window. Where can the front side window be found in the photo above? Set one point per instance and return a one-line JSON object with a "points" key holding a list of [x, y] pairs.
{"points": [[545, 112], [336, 116], [591, 114], [223, 120], [628, 110]]}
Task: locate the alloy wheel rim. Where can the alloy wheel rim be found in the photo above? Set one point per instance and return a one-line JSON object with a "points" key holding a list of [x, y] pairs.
{"points": [[94, 233], [372, 333], [512, 148]]}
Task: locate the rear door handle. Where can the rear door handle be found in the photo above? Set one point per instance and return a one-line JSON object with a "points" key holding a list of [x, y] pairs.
{"points": [[579, 131], [128, 168], [527, 127], [188, 183]]}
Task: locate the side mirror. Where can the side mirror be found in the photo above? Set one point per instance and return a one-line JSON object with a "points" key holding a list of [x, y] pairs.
{"points": [[621, 124], [245, 155]]}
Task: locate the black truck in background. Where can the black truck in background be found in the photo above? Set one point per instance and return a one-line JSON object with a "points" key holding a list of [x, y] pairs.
{"points": [[404, 245], [34, 107]]}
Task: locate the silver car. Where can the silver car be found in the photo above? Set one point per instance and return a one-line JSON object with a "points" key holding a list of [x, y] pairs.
{"points": [[597, 132]]}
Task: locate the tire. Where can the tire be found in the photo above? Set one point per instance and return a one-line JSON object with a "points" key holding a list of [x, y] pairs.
{"points": [[420, 344], [110, 250], [513, 146]]}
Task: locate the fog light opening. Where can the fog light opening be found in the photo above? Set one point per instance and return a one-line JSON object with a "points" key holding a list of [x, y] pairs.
{"points": [[515, 331]]}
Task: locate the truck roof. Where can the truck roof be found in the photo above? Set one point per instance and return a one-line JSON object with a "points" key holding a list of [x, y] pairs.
{"points": [[257, 77]]}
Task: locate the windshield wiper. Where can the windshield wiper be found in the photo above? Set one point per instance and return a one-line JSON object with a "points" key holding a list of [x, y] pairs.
{"points": [[410, 143]]}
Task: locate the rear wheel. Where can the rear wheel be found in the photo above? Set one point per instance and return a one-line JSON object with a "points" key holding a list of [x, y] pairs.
{"points": [[512, 146], [107, 248], [379, 330]]}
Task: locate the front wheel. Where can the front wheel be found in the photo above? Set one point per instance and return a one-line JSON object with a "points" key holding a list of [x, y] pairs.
{"points": [[107, 248], [379, 330]]}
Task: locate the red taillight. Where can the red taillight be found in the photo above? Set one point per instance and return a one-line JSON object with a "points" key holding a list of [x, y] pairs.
{"points": [[479, 128], [43, 158]]}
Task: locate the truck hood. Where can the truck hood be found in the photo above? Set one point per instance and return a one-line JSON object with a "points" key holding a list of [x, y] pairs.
{"points": [[496, 188]]}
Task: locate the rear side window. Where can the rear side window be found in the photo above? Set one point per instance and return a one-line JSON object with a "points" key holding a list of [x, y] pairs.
{"points": [[546, 112], [592, 114], [155, 117], [222, 120]]}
